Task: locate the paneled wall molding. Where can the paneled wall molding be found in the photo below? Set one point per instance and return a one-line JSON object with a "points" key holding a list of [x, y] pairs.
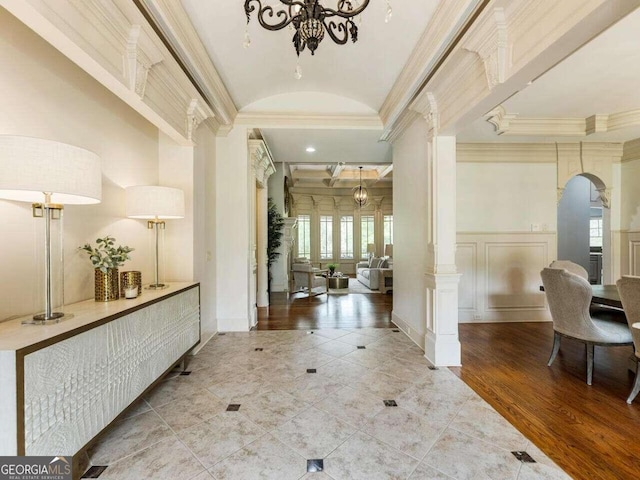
{"points": [[540, 34], [446, 23], [113, 42], [631, 150], [178, 30], [489, 41], [537, 152], [261, 161], [512, 124], [501, 275]]}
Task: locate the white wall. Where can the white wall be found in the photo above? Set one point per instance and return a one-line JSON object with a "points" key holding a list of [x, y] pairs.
{"points": [[410, 182], [503, 197], [204, 213], [45, 95], [232, 231], [506, 222]]}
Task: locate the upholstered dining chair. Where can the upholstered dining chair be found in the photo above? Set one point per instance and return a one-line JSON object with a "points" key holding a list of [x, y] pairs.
{"points": [[308, 278], [569, 297], [629, 289], [571, 267]]}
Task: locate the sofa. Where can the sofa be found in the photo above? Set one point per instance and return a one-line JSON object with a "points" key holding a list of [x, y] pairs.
{"points": [[370, 273]]}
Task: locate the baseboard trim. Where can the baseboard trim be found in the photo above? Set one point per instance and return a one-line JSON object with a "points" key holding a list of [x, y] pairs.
{"points": [[415, 337], [205, 337]]}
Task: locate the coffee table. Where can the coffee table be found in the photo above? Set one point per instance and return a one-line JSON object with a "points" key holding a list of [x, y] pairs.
{"points": [[338, 282]]}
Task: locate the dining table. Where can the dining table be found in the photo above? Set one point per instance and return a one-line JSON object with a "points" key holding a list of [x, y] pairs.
{"points": [[603, 295]]}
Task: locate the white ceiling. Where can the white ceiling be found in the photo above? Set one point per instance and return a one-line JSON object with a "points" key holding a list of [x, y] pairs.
{"points": [[364, 71], [603, 77], [332, 146]]}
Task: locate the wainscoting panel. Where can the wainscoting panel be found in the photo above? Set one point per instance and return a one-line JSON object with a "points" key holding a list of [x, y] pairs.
{"points": [[501, 275], [630, 253]]}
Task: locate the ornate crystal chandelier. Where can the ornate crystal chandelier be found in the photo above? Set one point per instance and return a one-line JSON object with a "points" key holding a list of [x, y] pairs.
{"points": [[310, 20], [360, 194]]}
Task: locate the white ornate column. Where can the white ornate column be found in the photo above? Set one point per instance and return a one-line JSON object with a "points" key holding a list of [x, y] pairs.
{"points": [[263, 168], [290, 226], [442, 345]]}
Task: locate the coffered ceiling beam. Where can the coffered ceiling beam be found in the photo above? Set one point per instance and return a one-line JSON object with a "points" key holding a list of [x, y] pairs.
{"points": [[335, 174]]}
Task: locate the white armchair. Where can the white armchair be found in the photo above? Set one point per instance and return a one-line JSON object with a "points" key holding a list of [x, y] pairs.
{"points": [[307, 278]]}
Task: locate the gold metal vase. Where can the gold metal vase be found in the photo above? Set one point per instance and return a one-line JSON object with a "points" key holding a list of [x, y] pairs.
{"points": [[107, 285]]}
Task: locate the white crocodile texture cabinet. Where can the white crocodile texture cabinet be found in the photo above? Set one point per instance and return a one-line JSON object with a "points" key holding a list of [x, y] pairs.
{"points": [[70, 386]]}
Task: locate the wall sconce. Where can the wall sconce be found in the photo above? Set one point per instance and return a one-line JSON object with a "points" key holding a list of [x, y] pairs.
{"points": [[155, 204], [48, 174]]}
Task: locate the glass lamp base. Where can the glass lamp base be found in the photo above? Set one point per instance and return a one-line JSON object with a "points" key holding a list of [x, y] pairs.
{"points": [[42, 319]]}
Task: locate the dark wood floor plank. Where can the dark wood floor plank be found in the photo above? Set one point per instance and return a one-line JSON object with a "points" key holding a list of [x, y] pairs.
{"points": [[588, 430]]}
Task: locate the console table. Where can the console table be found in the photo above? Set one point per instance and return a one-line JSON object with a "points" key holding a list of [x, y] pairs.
{"points": [[62, 384]]}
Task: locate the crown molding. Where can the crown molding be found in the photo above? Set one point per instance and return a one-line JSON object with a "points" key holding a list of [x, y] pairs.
{"points": [[631, 150], [528, 38], [446, 23], [178, 30], [114, 43], [536, 152], [297, 120], [511, 124]]}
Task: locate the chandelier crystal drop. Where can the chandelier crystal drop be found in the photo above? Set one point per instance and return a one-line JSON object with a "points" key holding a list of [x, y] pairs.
{"points": [[360, 194], [310, 20]]}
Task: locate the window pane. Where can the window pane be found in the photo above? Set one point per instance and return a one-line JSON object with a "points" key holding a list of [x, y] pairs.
{"points": [[595, 232], [304, 236], [388, 230], [326, 236], [366, 234], [346, 236]]}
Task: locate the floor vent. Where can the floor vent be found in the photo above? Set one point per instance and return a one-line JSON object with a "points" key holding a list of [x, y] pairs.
{"points": [[524, 457], [94, 472]]}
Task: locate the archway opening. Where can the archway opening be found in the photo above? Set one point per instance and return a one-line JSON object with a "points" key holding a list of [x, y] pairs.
{"points": [[584, 227]]}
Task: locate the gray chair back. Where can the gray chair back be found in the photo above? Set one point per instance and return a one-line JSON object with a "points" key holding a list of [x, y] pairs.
{"points": [[569, 297], [570, 267], [629, 289]]}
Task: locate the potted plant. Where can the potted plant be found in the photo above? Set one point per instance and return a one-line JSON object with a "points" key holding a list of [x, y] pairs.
{"points": [[106, 258], [274, 236], [332, 268]]}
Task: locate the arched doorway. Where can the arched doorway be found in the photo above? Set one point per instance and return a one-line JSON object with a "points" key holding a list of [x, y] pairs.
{"points": [[584, 226]]}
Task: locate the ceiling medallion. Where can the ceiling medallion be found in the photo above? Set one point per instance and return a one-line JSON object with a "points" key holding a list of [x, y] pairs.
{"points": [[310, 21], [360, 193]]}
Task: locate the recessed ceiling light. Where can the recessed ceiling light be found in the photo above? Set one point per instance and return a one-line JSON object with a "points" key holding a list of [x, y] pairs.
{"points": [[310, 149]]}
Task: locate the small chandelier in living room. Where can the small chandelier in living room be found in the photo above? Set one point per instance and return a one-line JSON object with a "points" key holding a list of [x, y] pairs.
{"points": [[310, 20], [360, 194]]}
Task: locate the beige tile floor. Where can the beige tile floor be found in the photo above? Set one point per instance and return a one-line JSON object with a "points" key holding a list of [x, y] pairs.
{"points": [[440, 429]]}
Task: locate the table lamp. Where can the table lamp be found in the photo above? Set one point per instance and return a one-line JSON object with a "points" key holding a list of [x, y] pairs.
{"points": [[156, 204], [48, 174], [388, 250], [371, 250]]}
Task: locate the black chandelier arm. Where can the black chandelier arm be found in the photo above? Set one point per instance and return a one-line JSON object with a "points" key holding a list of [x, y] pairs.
{"points": [[329, 12], [339, 32], [267, 11]]}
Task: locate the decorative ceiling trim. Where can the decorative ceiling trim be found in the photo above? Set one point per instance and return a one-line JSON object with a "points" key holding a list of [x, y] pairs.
{"points": [[631, 150], [261, 161], [113, 42], [535, 152], [511, 124], [448, 21], [540, 34], [176, 27], [489, 40], [296, 120]]}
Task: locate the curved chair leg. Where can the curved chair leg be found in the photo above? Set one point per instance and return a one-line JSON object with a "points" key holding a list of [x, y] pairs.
{"points": [[590, 348], [636, 386], [554, 350]]}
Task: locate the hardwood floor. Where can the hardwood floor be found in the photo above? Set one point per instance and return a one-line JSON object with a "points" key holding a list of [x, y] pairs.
{"points": [[589, 431], [296, 312]]}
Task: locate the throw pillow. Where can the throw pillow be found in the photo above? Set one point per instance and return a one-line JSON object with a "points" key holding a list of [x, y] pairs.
{"points": [[384, 263], [371, 259]]}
